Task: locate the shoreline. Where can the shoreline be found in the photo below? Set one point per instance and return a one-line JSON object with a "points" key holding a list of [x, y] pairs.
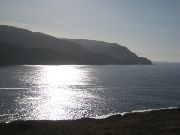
{"points": [[164, 121], [131, 112], [95, 117]]}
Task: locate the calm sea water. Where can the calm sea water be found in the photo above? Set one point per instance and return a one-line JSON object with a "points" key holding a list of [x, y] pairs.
{"points": [[72, 92]]}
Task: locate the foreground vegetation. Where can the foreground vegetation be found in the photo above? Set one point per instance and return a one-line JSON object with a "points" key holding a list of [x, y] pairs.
{"points": [[162, 122]]}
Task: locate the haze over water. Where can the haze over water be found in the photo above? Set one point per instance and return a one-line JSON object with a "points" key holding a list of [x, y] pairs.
{"points": [[73, 92]]}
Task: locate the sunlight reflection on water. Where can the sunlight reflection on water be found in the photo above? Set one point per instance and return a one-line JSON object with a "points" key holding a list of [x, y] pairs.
{"points": [[58, 97], [74, 91], [61, 75]]}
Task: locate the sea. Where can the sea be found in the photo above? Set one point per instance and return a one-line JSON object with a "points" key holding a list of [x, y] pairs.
{"points": [[68, 92]]}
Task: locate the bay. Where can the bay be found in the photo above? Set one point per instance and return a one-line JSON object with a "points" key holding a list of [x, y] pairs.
{"points": [[43, 92]]}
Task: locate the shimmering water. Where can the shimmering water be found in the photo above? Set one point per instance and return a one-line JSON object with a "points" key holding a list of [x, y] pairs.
{"points": [[72, 92]]}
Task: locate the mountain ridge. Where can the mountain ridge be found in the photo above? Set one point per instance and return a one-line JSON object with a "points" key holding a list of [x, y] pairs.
{"points": [[47, 48]]}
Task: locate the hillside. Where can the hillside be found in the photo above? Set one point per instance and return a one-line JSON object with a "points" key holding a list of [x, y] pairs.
{"points": [[20, 46], [110, 49]]}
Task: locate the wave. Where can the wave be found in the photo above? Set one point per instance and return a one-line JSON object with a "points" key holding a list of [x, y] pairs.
{"points": [[135, 111]]}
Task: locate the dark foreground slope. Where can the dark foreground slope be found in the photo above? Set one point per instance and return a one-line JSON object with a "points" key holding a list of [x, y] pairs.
{"points": [[162, 122], [21, 46]]}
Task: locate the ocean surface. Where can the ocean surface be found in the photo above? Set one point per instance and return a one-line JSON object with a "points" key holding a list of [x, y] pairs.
{"points": [[73, 92]]}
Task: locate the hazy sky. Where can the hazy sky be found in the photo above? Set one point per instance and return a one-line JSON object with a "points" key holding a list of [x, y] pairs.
{"points": [[151, 28]]}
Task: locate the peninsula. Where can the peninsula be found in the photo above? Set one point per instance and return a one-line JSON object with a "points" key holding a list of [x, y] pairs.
{"points": [[20, 46]]}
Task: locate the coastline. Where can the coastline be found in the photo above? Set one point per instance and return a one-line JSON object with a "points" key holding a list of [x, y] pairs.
{"points": [[163, 121], [131, 112]]}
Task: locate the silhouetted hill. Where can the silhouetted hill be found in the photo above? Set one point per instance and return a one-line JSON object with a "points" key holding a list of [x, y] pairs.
{"points": [[110, 49], [38, 40], [13, 54], [20, 46]]}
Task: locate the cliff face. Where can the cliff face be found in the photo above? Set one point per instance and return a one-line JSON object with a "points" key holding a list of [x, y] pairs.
{"points": [[20, 46]]}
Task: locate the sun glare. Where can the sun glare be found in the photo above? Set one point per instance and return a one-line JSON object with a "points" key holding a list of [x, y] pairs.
{"points": [[57, 92], [61, 75]]}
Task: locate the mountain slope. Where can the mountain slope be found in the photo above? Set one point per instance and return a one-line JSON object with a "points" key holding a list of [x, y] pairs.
{"points": [[110, 49], [21, 46], [13, 54], [33, 39]]}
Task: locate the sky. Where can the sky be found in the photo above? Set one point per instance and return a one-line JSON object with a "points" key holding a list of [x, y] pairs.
{"points": [[150, 28]]}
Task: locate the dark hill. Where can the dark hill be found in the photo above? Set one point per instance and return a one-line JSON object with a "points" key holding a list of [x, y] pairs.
{"points": [[13, 54], [110, 49], [38, 40], [20, 46]]}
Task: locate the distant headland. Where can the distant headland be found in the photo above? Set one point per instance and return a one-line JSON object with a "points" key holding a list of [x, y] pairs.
{"points": [[20, 46]]}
